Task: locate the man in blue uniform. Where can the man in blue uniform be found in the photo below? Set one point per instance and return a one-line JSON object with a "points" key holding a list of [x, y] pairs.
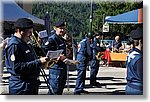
{"points": [[95, 62], [83, 56], [21, 62], [58, 72], [134, 64]]}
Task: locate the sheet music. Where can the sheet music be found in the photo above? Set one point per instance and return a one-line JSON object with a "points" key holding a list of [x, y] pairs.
{"points": [[54, 54], [43, 34]]}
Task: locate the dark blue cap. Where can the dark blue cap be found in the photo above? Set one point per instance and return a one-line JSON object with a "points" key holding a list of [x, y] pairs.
{"points": [[59, 24], [136, 34], [23, 23], [98, 33]]}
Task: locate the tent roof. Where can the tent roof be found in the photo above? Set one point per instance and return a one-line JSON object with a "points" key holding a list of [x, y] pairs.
{"points": [[135, 17], [12, 12]]}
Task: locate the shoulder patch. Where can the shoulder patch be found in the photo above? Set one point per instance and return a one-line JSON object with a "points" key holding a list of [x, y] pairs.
{"points": [[97, 44], [79, 46], [12, 58], [47, 43], [27, 51], [83, 40]]}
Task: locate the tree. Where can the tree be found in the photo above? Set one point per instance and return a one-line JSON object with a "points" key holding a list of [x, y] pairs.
{"points": [[77, 15]]}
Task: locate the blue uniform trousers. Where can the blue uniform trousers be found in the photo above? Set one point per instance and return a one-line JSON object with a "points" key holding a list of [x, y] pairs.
{"points": [[81, 73], [57, 79], [80, 81], [22, 86], [132, 91], [94, 70], [134, 88]]}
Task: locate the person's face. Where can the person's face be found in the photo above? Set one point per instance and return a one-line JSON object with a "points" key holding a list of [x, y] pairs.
{"points": [[60, 30], [91, 40], [27, 33], [141, 44], [117, 38], [99, 37]]}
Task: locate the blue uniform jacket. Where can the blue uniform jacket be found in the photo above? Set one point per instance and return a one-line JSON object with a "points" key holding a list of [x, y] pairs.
{"points": [[84, 47], [96, 47], [20, 60], [22, 65], [135, 67], [116, 44], [83, 54], [56, 43]]}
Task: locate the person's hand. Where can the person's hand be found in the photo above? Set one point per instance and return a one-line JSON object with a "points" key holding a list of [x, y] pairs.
{"points": [[69, 61], [3, 44], [44, 59], [61, 57]]}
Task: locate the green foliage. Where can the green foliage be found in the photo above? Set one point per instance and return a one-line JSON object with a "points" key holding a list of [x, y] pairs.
{"points": [[77, 15]]}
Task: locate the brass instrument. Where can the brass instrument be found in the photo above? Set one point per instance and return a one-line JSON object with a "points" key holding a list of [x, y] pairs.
{"points": [[51, 62], [99, 56], [43, 72]]}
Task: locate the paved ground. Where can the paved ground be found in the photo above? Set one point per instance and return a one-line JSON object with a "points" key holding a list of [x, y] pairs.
{"points": [[112, 80]]}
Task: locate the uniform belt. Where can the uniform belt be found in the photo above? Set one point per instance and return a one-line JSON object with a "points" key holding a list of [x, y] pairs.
{"points": [[22, 78]]}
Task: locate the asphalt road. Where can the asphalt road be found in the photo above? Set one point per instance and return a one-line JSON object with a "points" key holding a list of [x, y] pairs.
{"points": [[112, 81]]}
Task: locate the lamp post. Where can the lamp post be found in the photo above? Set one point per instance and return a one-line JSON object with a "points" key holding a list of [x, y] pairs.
{"points": [[91, 16]]}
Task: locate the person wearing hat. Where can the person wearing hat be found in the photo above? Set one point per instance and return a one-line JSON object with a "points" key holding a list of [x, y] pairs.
{"points": [[20, 60], [58, 71], [94, 65], [134, 64]]}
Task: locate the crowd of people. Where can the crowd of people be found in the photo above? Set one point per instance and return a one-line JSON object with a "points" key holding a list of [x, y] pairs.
{"points": [[24, 66]]}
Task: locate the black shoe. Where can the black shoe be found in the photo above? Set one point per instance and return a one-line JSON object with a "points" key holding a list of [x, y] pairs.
{"points": [[77, 93], [97, 84], [81, 92]]}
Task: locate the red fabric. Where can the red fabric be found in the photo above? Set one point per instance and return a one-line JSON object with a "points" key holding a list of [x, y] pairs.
{"points": [[140, 15], [107, 55]]}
